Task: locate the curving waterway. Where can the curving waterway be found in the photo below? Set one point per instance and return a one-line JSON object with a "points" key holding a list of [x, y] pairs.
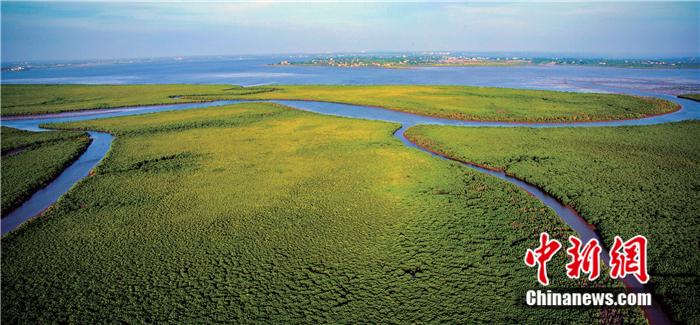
{"points": [[101, 143]]}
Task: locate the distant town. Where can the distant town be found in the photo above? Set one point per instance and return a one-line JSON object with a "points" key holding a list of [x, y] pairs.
{"points": [[447, 59]]}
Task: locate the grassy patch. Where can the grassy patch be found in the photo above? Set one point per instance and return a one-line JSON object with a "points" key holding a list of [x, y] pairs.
{"points": [[38, 99], [455, 102], [31, 159], [626, 181], [259, 213], [479, 103]]}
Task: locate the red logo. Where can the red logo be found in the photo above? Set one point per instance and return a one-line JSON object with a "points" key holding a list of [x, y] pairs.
{"points": [[586, 260], [541, 255], [626, 258], [629, 257]]}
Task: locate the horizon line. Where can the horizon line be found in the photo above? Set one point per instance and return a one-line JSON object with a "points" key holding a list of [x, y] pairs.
{"points": [[526, 54]]}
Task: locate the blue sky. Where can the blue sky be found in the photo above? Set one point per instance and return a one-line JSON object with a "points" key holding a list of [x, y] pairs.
{"points": [[85, 30]]}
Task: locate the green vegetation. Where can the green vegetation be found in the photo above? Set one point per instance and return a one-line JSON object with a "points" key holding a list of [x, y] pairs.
{"points": [[38, 99], [478, 103], [31, 159], [695, 97], [259, 213], [626, 181], [454, 102]]}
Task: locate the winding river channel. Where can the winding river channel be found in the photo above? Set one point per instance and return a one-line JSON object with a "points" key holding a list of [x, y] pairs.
{"points": [[101, 143]]}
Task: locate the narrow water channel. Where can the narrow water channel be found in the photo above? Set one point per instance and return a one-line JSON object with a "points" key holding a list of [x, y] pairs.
{"points": [[101, 142], [45, 197]]}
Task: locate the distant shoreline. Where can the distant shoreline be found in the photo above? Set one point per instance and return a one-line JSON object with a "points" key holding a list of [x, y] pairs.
{"points": [[404, 61], [484, 65]]}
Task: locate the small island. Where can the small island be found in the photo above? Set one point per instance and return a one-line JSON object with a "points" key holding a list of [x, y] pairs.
{"points": [[693, 96]]}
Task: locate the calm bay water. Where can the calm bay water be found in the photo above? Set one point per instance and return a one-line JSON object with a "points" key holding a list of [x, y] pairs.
{"points": [[258, 71]]}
